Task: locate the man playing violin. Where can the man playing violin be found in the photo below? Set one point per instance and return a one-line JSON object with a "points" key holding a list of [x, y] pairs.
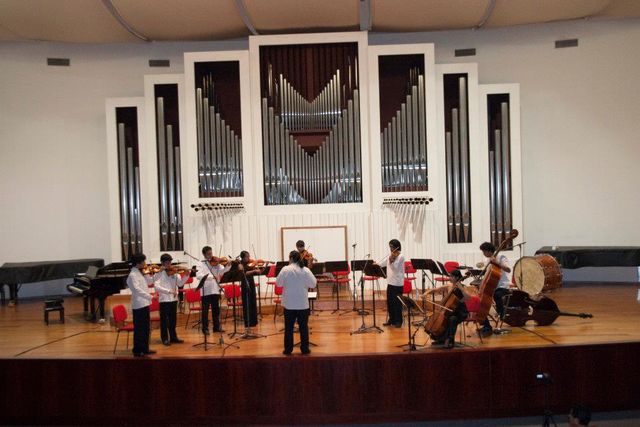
{"points": [[211, 290], [459, 314], [248, 287], [141, 298], [501, 261], [167, 281], [395, 282], [306, 256]]}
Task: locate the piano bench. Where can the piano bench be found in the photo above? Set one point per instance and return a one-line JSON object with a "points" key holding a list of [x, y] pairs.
{"points": [[53, 305]]}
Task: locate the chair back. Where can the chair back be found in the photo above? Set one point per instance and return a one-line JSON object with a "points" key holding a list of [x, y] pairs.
{"points": [[408, 268], [119, 314], [451, 265], [192, 296], [278, 290], [407, 286], [155, 304], [341, 274], [272, 271], [473, 304], [231, 291]]}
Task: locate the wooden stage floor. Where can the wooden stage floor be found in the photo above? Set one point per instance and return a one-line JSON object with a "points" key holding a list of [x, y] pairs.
{"points": [[23, 333]]}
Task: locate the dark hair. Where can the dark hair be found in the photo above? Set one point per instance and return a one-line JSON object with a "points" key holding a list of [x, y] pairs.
{"points": [[243, 254], [165, 257], [300, 243], [206, 249], [488, 246], [137, 259], [294, 257], [396, 244], [582, 413]]}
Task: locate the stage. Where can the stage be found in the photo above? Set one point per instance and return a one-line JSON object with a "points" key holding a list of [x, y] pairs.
{"points": [[66, 373]]}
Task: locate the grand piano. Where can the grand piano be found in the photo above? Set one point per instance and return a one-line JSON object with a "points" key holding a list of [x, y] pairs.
{"points": [[98, 284]]}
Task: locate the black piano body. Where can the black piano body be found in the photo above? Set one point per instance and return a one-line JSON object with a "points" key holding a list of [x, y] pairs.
{"points": [[98, 284]]}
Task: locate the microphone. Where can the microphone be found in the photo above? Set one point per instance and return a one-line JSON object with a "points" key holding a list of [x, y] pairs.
{"points": [[354, 245], [519, 244], [367, 255]]}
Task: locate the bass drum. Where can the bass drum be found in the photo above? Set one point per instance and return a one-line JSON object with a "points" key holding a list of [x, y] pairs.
{"points": [[537, 274]]}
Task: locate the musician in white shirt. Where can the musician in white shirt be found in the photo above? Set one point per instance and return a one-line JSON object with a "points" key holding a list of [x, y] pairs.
{"points": [[167, 283], [395, 283], [502, 290], [296, 280], [211, 289], [140, 301]]}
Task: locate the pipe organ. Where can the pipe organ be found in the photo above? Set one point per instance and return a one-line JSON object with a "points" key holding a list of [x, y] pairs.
{"points": [[457, 158], [169, 174], [129, 181], [499, 167], [310, 110], [403, 123], [219, 129]]}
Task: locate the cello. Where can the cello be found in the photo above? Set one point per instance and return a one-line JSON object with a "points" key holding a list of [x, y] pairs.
{"points": [[491, 279]]}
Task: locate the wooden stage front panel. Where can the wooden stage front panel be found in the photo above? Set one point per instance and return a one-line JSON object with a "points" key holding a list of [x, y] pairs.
{"points": [[67, 374]]}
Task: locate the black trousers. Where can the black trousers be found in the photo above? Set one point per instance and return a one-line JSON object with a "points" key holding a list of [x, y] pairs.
{"points": [[141, 330], [498, 298], [249, 304], [168, 320], [290, 318], [212, 301], [394, 306]]}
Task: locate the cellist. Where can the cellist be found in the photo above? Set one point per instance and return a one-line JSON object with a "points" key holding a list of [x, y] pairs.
{"points": [[460, 312], [504, 284]]}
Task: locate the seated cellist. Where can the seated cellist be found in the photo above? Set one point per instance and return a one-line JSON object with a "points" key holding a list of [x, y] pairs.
{"points": [[459, 314]]}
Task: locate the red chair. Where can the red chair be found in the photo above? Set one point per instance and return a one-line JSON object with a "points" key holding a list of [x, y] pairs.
{"points": [[233, 295], [120, 320], [449, 266], [473, 305], [407, 287], [271, 281], [410, 273], [194, 303], [277, 300], [154, 310], [339, 278]]}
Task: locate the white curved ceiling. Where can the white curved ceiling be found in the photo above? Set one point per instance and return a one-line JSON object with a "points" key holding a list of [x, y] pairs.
{"points": [[106, 21]]}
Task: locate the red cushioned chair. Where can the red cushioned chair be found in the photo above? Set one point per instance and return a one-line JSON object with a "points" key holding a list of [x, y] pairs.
{"points": [[277, 300], [449, 266], [194, 303], [271, 281], [341, 278], [120, 320], [233, 295], [154, 309]]}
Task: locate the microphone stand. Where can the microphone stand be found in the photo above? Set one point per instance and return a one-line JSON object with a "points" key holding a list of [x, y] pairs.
{"points": [[353, 278]]}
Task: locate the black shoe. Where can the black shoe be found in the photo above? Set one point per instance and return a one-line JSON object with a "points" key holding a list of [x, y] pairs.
{"points": [[387, 324], [485, 332], [177, 341], [218, 330], [206, 332], [448, 343], [139, 354], [150, 352], [166, 342], [286, 353], [307, 351], [397, 325]]}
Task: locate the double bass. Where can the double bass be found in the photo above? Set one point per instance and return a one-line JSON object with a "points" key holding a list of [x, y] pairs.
{"points": [[542, 310], [491, 279]]}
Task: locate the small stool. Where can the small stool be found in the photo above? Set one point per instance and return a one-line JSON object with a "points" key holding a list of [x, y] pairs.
{"points": [[53, 305]]}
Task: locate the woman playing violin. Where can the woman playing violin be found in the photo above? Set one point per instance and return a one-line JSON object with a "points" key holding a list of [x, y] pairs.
{"points": [[306, 256], [395, 281], [459, 314], [248, 287]]}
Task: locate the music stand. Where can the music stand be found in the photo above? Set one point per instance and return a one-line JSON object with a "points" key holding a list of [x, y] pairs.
{"points": [[262, 272], [410, 305], [200, 287], [332, 267], [373, 270], [358, 265], [280, 265]]}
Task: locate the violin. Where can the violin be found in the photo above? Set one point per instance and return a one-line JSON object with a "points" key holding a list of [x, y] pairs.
{"points": [[174, 269], [543, 310], [151, 269], [216, 261], [394, 254], [258, 263]]}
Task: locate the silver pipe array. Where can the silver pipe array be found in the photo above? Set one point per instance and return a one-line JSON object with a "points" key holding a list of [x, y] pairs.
{"points": [[332, 174], [228, 207], [404, 141], [457, 161], [170, 194], [500, 174], [129, 177], [219, 147]]}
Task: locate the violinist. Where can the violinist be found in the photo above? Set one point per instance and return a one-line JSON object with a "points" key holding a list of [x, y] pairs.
{"points": [[211, 290], [504, 284], [167, 281], [395, 281], [248, 287], [306, 256], [139, 283], [459, 314]]}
